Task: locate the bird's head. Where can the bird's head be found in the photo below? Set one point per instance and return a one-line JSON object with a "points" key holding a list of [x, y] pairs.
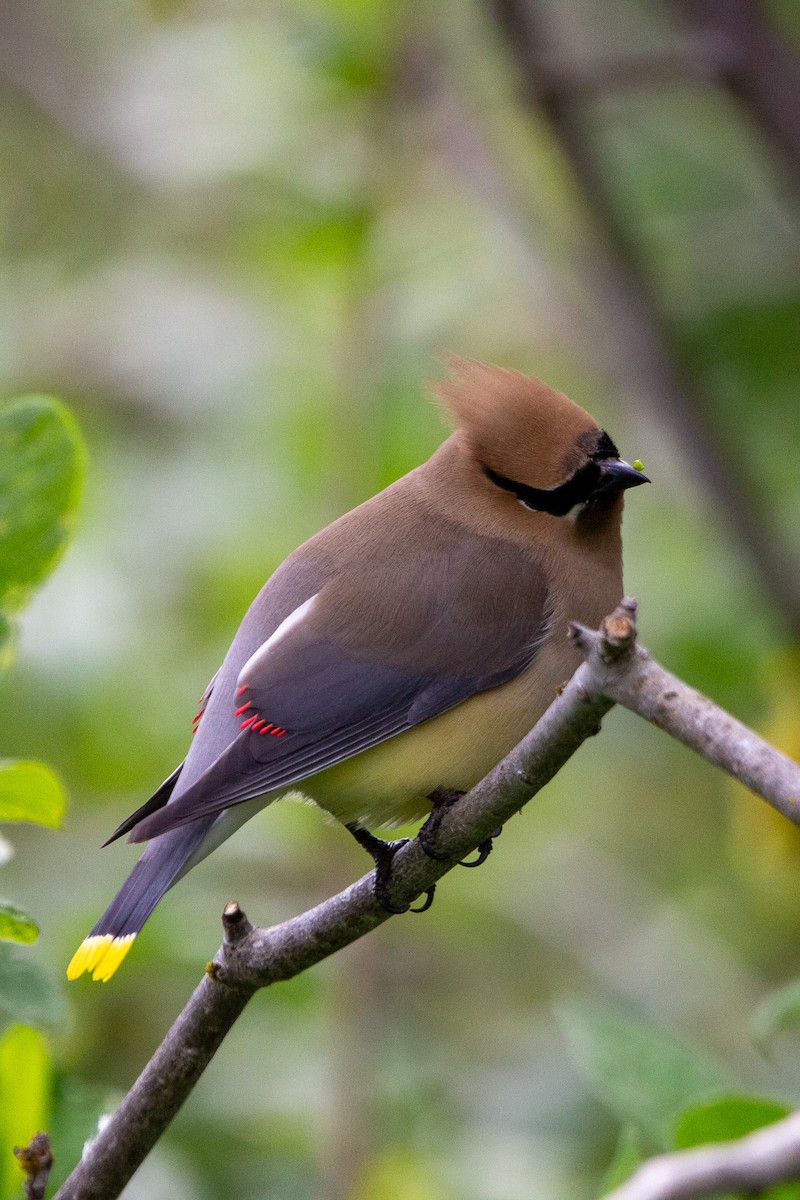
{"points": [[530, 446]]}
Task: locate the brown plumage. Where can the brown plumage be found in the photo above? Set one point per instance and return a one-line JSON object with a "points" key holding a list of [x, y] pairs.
{"points": [[408, 646], [508, 420]]}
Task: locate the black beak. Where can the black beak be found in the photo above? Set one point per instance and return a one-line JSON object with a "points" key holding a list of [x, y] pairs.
{"points": [[616, 475]]}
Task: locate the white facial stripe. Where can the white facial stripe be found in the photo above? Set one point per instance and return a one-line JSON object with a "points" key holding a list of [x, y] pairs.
{"points": [[572, 515], [286, 626]]}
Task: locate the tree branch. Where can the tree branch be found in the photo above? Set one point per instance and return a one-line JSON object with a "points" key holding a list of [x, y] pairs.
{"points": [[615, 669], [750, 1165], [640, 684], [36, 1162]]}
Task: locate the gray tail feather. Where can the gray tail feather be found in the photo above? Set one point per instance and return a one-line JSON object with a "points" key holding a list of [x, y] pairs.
{"points": [[159, 867]]}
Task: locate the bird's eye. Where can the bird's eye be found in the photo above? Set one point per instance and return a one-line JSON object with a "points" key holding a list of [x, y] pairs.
{"points": [[589, 483], [557, 501]]}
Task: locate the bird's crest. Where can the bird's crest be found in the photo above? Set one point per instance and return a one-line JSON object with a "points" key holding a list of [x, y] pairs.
{"points": [[517, 423]]}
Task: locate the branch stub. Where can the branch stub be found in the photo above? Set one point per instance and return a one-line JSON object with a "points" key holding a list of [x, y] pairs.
{"points": [[235, 924]]}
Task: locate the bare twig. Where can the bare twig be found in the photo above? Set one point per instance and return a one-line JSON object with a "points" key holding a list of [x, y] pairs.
{"points": [[666, 701], [750, 1165], [36, 1160], [615, 669]]}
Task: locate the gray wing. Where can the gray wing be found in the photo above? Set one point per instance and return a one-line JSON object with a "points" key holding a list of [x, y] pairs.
{"points": [[326, 686]]}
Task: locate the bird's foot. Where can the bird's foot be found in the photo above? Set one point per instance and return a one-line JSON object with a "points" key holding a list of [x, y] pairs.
{"points": [[382, 854], [442, 799]]}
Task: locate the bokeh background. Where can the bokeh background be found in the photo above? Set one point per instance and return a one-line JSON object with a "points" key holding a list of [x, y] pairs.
{"points": [[237, 237]]}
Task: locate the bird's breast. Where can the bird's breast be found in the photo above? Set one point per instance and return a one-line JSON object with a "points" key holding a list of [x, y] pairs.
{"points": [[390, 784]]}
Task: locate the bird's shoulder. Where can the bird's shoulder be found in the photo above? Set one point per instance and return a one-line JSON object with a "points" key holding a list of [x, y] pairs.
{"points": [[413, 585], [398, 581]]}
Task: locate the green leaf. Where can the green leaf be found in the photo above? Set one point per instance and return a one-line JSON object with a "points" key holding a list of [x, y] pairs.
{"points": [[725, 1119], [16, 925], [778, 1012], [644, 1074], [729, 1118], [30, 791], [42, 465], [24, 1100], [628, 1155], [28, 993]]}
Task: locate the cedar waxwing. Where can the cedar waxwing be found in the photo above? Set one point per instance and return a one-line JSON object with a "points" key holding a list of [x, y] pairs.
{"points": [[406, 648]]}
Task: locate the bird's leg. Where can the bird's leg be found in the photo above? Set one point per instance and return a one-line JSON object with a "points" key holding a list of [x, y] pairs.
{"points": [[442, 799], [382, 855]]}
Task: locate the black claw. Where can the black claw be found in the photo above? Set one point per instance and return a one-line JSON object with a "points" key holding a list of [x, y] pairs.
{"points": [[428, 901], [484, 850]]}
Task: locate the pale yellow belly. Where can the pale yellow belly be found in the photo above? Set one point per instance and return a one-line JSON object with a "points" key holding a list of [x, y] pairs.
{"points": [[389, 785]]}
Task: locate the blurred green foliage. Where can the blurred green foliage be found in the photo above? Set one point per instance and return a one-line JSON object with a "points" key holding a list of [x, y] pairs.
{"points": [[237, 238], [668, 1095], [41, 479], [24, 1089], [778, 1011], [29, 791], [642, 1073]]}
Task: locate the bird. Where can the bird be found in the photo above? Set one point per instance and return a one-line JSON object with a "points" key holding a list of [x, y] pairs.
{"points": [[400, 653]]}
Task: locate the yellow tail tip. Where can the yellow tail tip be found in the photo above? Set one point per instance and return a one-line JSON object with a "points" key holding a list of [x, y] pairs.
{"points": [[101, 954]]}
